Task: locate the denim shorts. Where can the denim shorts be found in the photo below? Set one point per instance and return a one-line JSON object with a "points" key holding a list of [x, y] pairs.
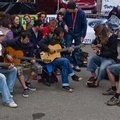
{"points": [[114, 69]]}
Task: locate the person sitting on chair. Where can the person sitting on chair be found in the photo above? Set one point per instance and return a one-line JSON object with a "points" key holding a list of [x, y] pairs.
{"points": [[113, 70], [7, 83], [62, 63], [23, 43], [105, 49]]}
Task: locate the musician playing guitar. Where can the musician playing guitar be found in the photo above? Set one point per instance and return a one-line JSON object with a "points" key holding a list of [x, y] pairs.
{"points": [[23, 43], [62, 62], [7, 84], [105, 49]]}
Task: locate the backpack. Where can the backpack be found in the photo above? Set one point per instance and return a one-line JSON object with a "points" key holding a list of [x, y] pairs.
{"points": [[113, 23]]}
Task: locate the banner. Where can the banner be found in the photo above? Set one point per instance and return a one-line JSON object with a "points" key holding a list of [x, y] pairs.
{"points": [[90, 36], [107, 6]]}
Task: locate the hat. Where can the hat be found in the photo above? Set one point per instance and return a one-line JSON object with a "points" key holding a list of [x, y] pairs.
{"points": [[71, 5], [1, 33], [98, 28]]}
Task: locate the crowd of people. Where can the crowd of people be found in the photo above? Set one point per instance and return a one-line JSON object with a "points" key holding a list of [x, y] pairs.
{"points": [[40, 34]]}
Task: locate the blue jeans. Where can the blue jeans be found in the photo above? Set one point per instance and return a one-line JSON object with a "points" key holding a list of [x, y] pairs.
{"points": [[114, 69], [76, 53], [95, 61], [4, 90], [64, 65], [11, 77]]}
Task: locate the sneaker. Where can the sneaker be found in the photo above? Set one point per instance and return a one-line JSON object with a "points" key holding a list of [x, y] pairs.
{"points": [[12, 104], [109, 92], [76, 78], [67, 88], [77, 68], [91, 80], [25, 93], [30, 86], [113, 101], [11, 95]]}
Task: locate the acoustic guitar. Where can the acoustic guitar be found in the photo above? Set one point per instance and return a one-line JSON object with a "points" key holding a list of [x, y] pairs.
{"points": [[18, 55], [13, 52], [45, 56]]}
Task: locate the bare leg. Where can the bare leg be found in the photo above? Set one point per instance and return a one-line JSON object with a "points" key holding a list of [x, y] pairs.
{"points": [[94, 75], [31, 77], [118, 88], [22, 81], [111, 78]]}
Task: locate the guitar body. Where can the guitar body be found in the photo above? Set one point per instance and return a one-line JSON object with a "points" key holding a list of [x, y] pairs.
{"points": [[47, 57], [13, 52]]}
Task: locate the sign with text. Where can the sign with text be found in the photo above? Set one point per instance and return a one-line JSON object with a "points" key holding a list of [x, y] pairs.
{"points": [[107, 6], [90, 36]]}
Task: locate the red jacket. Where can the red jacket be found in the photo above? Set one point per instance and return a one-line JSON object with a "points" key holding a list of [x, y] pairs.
{"points": [[45, 31]]}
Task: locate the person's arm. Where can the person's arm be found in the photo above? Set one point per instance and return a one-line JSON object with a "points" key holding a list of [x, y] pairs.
{"points": [[64, 22], [84, 25], [43, 44], [9, 35], [93, 45], [44, 32]]}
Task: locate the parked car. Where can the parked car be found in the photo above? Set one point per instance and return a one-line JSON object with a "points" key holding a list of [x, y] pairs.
{"points": [[51, 6], [89, 6]]}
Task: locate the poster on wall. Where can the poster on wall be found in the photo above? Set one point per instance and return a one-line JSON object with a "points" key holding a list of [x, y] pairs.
{"points": [[90, 35], [107, 6]]}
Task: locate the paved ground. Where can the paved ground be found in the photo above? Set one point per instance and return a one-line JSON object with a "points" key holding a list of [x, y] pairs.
{"points": [[51, 103]]}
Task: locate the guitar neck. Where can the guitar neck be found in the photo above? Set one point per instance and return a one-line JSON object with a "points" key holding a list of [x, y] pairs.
{"points": [[7, 64], [27, 58], [65, 49]]}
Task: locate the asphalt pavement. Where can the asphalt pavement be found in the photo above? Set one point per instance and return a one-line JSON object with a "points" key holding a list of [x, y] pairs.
{"points": [[52, 103]]}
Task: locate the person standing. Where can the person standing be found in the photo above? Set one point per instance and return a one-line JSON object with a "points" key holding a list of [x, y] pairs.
{"points": [[75, 24]]}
